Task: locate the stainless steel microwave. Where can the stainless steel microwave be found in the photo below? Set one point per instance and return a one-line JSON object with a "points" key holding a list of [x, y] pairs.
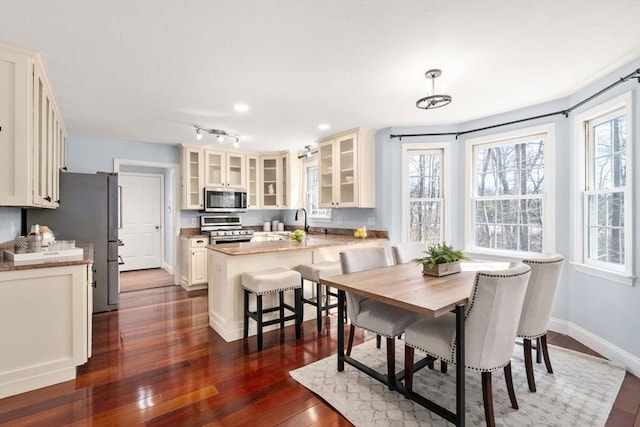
{"points": [[224, 200]]}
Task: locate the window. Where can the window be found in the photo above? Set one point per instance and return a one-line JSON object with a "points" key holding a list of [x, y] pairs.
{"points": [[312, 202], [510, 195], [423, 193], [604, 148]]}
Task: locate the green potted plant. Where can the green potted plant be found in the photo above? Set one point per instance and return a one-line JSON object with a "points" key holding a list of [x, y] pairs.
{"points": [[440, 260]]}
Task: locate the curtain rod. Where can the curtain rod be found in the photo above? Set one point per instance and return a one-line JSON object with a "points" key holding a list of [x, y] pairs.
{"points": [[632, 75]]}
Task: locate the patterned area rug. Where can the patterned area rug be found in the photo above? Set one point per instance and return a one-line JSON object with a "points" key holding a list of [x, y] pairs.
{"points": [[580, 392]]}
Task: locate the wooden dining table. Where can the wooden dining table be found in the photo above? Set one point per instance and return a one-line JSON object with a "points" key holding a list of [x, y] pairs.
{"points": [[405, 286]]}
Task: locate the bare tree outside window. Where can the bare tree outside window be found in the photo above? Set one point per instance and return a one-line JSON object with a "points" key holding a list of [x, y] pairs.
{"points": [[425, 196], [509, 190]]}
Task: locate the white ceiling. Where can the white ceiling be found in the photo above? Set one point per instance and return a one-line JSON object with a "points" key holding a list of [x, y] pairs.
{"points": [[147, 70]]}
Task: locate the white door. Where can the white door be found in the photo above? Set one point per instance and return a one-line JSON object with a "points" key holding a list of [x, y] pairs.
{"points": [[141, 196]]}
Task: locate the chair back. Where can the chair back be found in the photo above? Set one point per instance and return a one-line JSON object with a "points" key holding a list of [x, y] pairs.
{"points": [[360, 259], [406, 252], [492, 316], [541, 293]]}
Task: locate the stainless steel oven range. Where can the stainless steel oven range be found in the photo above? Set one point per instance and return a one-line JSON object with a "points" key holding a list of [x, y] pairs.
{"points": [[224, 229]]}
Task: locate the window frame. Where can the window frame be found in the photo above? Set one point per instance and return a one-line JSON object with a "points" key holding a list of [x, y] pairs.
{"points": [[444, 149], [581, 174], [308, 165], [548, 195]]}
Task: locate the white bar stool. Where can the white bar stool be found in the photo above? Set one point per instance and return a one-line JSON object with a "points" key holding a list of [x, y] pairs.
{"points": [[272, 281], [313, 273]]}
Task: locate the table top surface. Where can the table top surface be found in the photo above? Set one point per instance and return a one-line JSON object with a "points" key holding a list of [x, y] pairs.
{"points": [[406, 287]]}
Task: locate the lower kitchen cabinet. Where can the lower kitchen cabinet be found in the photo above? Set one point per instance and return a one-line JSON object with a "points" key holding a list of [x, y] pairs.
{"points": [[193, 269], [45, 326]]}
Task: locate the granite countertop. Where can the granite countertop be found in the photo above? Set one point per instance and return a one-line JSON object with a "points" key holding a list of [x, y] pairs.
{"points": [[86, 258], [313, 241]]}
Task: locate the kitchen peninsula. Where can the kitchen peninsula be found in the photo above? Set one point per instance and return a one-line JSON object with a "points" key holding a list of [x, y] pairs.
{"points": [[45, 321], [227, 262]]}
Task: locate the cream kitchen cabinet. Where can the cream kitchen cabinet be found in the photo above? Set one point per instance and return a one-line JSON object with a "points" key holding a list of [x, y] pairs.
{"points": [[224, 169], [32, 132], [192, 177], [280, 181], [346, 163], [194, 262], [45, 325], [252, 180]]}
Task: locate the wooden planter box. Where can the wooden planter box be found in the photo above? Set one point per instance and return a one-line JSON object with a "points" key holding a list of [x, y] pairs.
{"points": [[441, 269]]}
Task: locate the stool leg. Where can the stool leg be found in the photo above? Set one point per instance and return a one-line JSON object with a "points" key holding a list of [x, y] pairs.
{"points": [[298, 306], [319, 306], [246, 310], [259, 308], [281, 298]]}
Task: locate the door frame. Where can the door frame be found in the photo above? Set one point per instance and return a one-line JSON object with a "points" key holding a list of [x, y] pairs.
{"points": [[171, 206]]}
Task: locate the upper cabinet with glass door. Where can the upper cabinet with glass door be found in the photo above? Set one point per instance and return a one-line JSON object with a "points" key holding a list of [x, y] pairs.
{"points": [[224, 169], [252, 180], [346, 164], [33, 135], [280, 179], [192, 177]]}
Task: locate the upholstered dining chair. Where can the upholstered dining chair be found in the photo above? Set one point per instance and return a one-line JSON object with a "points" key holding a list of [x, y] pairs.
{"points": [[408, 251], [377, 317], [491, 322], [536, 311]]}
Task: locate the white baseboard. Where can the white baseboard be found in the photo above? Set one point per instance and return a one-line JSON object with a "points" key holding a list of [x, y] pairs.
{"points": [[167, 267], [594, 342]]}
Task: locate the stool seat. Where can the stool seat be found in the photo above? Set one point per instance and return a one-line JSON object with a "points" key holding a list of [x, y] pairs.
{"points": [[319, 270], [277, 280], [313, 273], [271, 281]]}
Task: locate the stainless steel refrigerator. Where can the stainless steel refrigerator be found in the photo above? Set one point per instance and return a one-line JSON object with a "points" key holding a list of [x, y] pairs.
{"points": [[88, 213]]}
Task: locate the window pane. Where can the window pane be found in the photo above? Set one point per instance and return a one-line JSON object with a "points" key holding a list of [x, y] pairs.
{"points": [[425, 196], [424, 221], [605, 228]]}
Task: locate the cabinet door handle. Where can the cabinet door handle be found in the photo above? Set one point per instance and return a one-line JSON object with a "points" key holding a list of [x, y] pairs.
{"points": [[199, 241], [48, 198]]}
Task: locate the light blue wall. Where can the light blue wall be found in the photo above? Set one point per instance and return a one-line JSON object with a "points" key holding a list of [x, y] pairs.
{"points": [[9, 223]]}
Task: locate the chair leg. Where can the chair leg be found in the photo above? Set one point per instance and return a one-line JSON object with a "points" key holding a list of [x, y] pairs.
{"points": [[246, 317], [545, 353], [487, 396], [259, 309], [538, 353], [443, 366], [408, 369], [319, 306], [352, 332], [378, 341], [509, 380], [391, 363], [528, 364]]}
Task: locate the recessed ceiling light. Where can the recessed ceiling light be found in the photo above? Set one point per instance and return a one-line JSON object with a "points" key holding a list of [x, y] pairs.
{"points": [[241, 107], [324, 126]]}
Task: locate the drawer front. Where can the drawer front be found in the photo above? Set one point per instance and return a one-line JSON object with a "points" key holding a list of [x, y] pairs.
{"points": [[198, 242]]}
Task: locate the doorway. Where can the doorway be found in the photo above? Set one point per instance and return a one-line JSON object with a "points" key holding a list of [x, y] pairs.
{"points": [[170, 226]]}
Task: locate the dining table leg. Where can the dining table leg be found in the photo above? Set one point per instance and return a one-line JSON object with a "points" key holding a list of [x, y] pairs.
{"points": [[460, 370], [341, 319]]}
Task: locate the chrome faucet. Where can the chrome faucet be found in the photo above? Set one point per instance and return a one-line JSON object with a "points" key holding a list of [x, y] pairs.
{"points": [[306, 226]]}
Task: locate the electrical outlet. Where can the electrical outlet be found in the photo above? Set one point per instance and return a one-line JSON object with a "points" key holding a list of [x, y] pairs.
{"points": [[371, 220]]}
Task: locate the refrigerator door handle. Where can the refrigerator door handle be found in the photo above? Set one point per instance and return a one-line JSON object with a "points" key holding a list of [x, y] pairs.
{"points": [[119, 207]]}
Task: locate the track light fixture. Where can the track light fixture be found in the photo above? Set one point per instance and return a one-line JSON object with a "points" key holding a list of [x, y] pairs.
{"points": [[219, 133], [433, 100], [307, 152]]}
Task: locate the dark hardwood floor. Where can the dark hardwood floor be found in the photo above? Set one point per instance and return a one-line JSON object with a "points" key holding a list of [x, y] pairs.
{"points": [[156, 362]]}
